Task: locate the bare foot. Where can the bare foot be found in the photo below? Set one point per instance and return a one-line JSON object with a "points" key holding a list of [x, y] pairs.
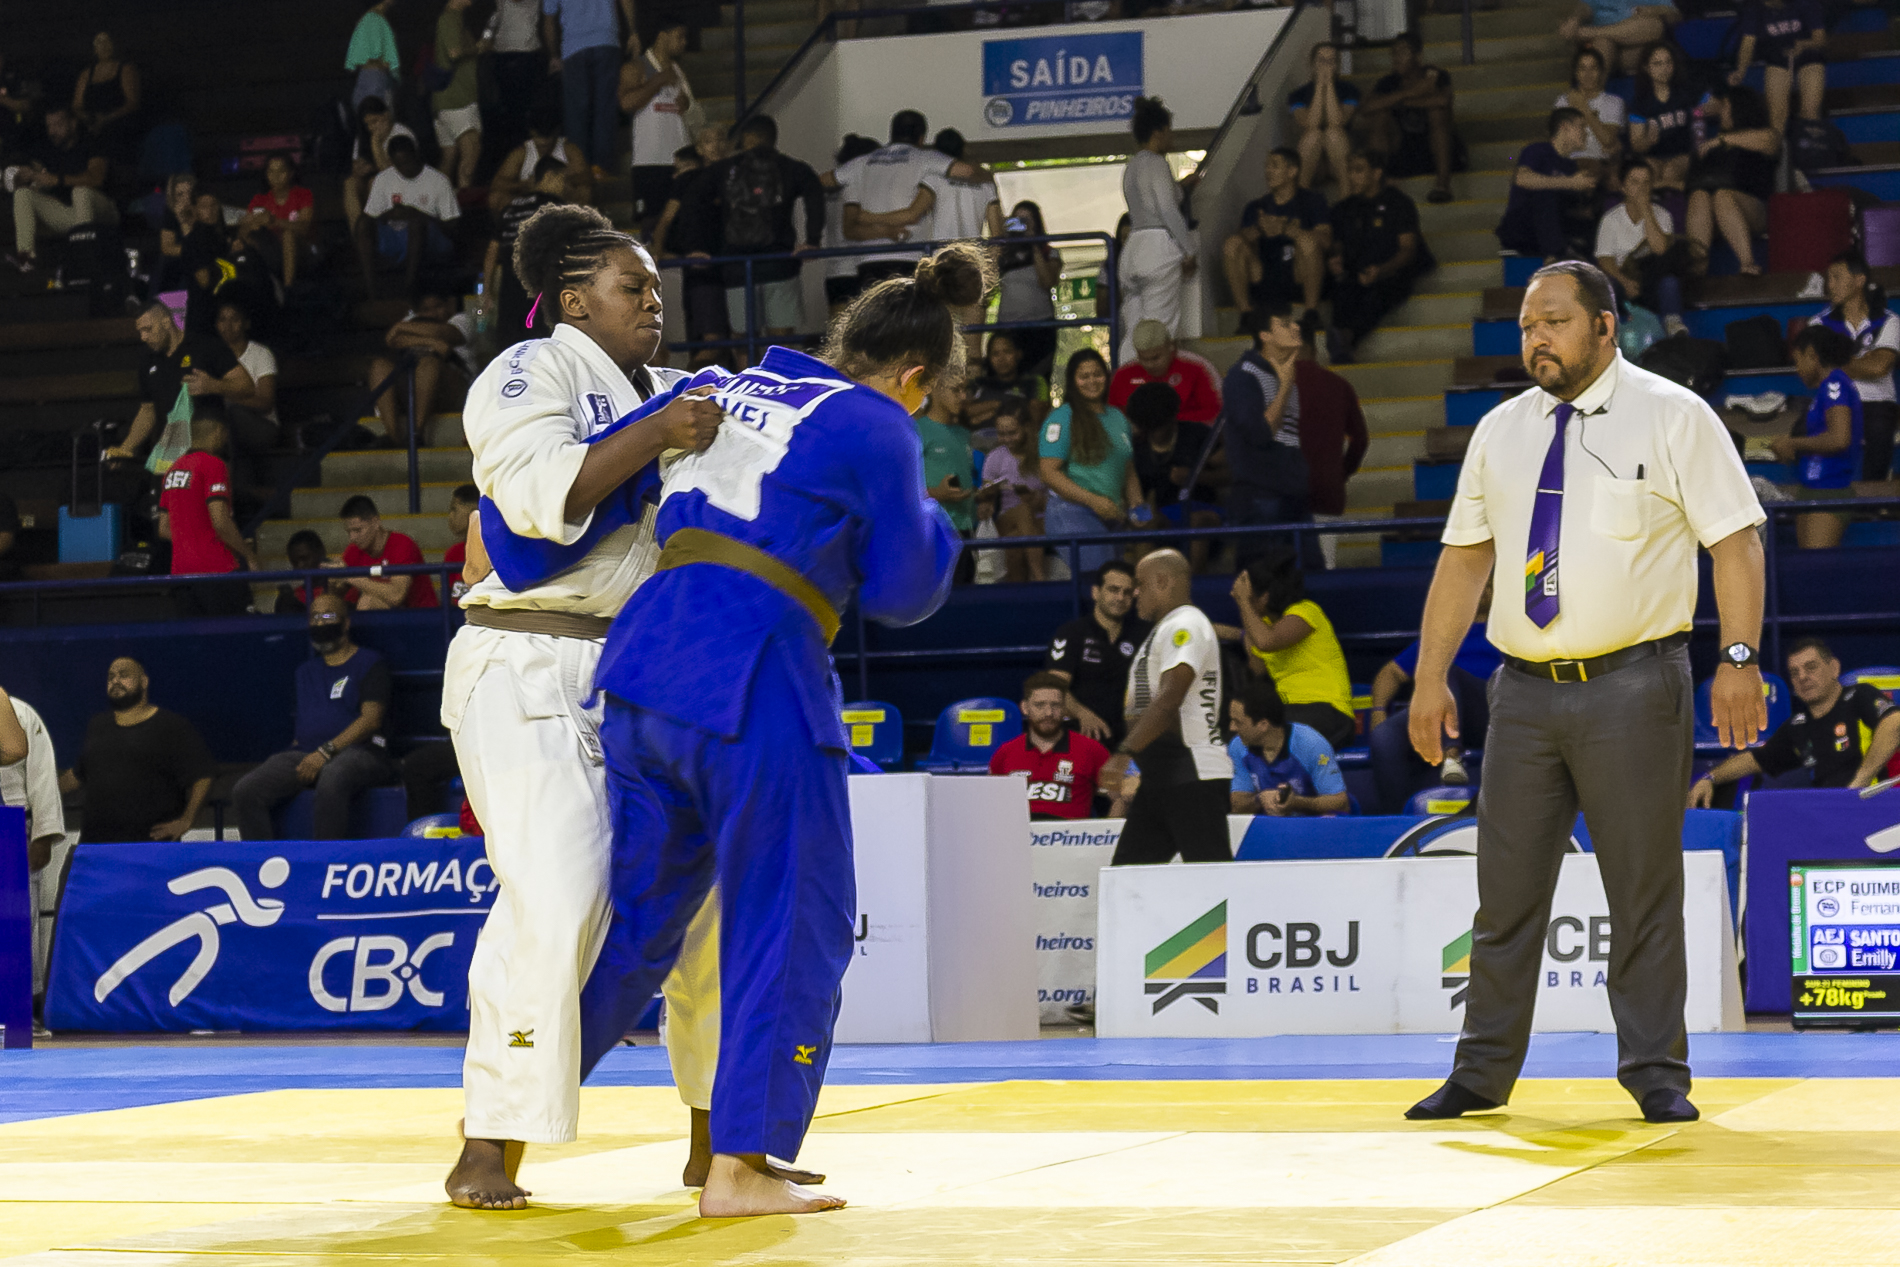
{"points": [[740, 1186], [699, 1160], [484, 1176]]}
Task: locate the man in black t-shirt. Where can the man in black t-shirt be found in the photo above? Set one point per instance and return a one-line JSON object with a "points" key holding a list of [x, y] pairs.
{"points": [[1280, 248], [1377, 253], [1408, 116], [186, 371], [59, 188], [1092, 653], [1843, 735], [703, 289], [1167, 455], [145, 770]]}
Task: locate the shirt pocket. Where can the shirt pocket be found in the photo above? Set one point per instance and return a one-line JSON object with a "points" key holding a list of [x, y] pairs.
{"points": [[1620, 509]]}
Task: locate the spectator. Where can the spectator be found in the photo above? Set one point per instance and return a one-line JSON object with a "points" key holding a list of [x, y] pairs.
{"points": [[841, 271], [1290, 640], [405, 215], [1377, 253], [1170, 455], [1093, 653], [512, 302], [1086, 450], [373, 55], [1408, 118], [372, 545], [206, 263], [1281, 768], [376, 127], [306, 553], [1842, 735], [885, 194], [1196, 383], [19, 99], [343, 694], [186, 371], [427, 770], [194, 514], [521, 170], [1662, 114], [1017, 495], [250, 415], [174, 225], [1618, 28], [743, 205], [1857, 307], [106, 97], [462, 505], [1333, 436], [1063, 767], [145, 769], [1552, 200], [948, 468], [442, 340], [1734, 177], [1002, 375], [703, 288], [1267, 472], [1829, 448], [1638, 249], [1601, 153], [1322, 110], [9, 536], [653, 89], [514, 33], [1789, 39], [1160, 255], [584, 50], [279, 218], [1027, 277], [58, 188], [1398, 771], [1279, 250], [960, 209], [458, 111]]}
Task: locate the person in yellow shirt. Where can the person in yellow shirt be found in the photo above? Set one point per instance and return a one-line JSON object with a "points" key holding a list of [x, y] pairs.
{"points": [[1289, 638]]}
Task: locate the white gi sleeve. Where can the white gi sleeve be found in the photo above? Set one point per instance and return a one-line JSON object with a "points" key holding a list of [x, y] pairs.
{"points": [[523, 427]]}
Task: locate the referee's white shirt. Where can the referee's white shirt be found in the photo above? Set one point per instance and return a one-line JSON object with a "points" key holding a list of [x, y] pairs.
{"points": [[1626, 559]]}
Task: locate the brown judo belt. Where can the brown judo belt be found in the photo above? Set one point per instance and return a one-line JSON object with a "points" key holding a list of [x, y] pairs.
{"points": [[697, 545], [555, 624]]}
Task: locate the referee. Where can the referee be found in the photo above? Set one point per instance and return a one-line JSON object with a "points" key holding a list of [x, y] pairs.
{"points": [[1616, 474]]}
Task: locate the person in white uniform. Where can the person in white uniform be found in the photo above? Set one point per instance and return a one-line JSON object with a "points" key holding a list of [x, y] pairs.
{"points": [[887, 194], [653, 89], [33, 785], [1160, 251], [518, 695]]}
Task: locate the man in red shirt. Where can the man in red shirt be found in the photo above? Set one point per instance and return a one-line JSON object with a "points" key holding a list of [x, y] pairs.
{"points": [[371, 544], [194, 514], [1063, 765], [462, 505], [1159, 361]]}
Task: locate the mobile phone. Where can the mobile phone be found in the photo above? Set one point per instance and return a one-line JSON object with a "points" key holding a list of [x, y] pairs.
{"points": [[955, 481], [1016, 224]]}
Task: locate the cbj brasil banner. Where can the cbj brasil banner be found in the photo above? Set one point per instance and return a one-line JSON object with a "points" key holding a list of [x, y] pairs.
{"points": [[1069, 78], [281, 935]]}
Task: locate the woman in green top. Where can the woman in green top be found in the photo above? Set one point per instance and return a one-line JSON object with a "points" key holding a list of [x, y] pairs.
{"points": [[372, 55], [458, 117], [1087, 461], [949, 469]]}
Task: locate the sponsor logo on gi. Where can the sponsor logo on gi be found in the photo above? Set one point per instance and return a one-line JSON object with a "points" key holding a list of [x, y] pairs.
{"points": [[1193, 962], [521, 1038], [801, 1054], [514, 387]]}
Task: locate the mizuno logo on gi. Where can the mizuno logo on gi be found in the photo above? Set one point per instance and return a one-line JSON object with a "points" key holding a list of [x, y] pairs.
{"points": [[801, 1054], [520, 1038]]}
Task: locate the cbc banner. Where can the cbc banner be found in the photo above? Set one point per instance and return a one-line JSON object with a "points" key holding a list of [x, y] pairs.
{"points": [[280, 935], [1372, 946]]}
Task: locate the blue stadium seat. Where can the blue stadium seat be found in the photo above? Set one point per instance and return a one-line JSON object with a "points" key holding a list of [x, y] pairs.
{"points": [[435, 826], [968, 732], [876, 732], [1780, 706], [379, 814], [1882, 677], [1442, 800]]}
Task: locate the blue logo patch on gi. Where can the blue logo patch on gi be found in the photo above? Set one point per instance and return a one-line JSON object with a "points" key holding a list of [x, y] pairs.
{"points": [[514, 387], [601, 408]]}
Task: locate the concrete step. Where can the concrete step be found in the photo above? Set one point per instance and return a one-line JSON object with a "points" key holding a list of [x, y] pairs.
{"points": [[1522, 20], [1221, 351], [1465, 244], [1414, 343], [391, 466], [431, 532], [1453, 276], [1397, 450], [1379, 488], [1497, 49], [1397, 378], [1496, 74], [1437, 309], [1403, 414], [1466, 186], [1489, 101], [719, 39], [1517, 130], [320, 503], [1437, 219]]}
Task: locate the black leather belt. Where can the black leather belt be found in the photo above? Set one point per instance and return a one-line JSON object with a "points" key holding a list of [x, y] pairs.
{"points": [[1597, 666]]}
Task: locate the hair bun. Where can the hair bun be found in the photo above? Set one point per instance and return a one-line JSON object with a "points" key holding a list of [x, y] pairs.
{"points": [[959, 275]]}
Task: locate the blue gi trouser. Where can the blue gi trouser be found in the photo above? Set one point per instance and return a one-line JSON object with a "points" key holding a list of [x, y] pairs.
{"points": [[768, 816]]}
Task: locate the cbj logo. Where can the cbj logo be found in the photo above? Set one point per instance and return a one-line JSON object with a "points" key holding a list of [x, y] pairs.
{"points": [[382, 967]]}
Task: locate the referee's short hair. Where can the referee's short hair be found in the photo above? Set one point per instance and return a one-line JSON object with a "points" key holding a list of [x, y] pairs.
{"points": [[1593, 288], [359, 507], [1262, 702]]}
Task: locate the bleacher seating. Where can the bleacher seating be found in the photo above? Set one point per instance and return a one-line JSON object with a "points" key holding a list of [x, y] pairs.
{"points": [[968, 731], [876, 732]]}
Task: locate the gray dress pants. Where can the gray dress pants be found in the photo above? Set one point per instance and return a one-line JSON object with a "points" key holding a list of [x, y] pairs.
{"points": [[1618, 747]]}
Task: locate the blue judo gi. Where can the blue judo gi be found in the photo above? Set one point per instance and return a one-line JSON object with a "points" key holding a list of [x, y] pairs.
{"points": [[726, 756]]}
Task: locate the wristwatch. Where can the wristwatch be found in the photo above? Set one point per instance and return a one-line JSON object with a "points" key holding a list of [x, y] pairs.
{"points": [[1740, 654], [326, 750]]}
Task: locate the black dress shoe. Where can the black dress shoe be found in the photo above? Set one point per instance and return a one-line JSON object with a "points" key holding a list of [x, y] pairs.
{"points": [[1450, 1100], [1664, 1105]]}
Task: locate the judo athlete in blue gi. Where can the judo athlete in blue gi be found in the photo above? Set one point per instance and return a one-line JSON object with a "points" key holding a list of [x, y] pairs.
{"points": [[726, 757]]}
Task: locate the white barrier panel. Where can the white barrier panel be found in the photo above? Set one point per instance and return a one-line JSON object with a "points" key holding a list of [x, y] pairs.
{"points": [[946, 921], [1066, 860], [1366, 946]]}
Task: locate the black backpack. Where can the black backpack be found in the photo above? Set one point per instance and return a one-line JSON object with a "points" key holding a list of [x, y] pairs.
{"points": [[1820, 144], [1755, 343], [753, 193], [1694, 363]]}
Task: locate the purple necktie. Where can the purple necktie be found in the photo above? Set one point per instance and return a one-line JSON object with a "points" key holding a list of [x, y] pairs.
{"points": [[1547, 521]]}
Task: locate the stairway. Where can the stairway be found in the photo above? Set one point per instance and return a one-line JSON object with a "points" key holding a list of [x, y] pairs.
{"points": [[1403, 368]]}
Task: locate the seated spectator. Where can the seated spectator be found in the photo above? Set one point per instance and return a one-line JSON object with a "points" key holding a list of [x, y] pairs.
{"points": [[279, 219], [1333, 436], [1618, 29], [1398, 771], [1279, 250], [106, 97], [1281, 768], [1553, 201], [58, 188], [1857, 307], [999, 377], [1841, 735], [194, 514], [373, 56], [376, 127], [1027, 273], [1063, 766], [1377, 253], [1170, 453], [180, 214], [949, 467], [520, 171], [703, 288], [250, 415], [427, 770], [1733, 178], [462, 506], [1408, 118], [1826, 455], [306, 553], [1600, 155], [1015, 495], [1267, 474], [457, 107], [512, 302], [206, 263], [1322, 110], [145, 770], [443, 342], [1086, 453], [1662, 114], [1789, 39], [1196, 383], [1092, 654], [405, 215], [186, 371], [372, 545], [1290, 640], [1638, 249], [337, 748]]}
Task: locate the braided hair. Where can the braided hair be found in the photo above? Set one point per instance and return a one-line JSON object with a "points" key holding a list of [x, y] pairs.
{"points": [[561, 247]]}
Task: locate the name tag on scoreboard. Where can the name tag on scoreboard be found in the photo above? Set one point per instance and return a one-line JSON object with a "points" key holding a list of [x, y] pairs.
{"points": [[1845, 943]]}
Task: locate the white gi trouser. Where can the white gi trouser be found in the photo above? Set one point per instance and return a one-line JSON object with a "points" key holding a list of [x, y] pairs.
{"points": [[691, 1027], [1150, 281]]}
